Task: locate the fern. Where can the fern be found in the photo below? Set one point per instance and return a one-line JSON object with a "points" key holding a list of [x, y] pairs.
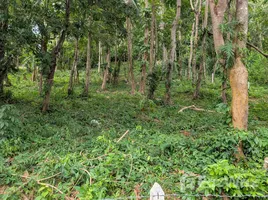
{"points": [[227, 52]]}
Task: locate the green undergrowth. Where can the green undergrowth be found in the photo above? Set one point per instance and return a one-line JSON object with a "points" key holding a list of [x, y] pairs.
{"points": [[74, 150]]}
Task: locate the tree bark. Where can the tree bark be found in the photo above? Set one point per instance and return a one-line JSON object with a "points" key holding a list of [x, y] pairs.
{"points": [[100, 55], [238, 73], [130, 58], [145, 56], [3, 34], [44, 51], [54, 54], [106, 72], [152, 40], [217, 15], [88, 67], [202, 63], [74, 68], [172, 54], [197, 11], [191, 54]]}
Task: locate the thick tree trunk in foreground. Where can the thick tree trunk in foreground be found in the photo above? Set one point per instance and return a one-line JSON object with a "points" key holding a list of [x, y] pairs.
{"points": [[54, 54], [145, 57], [130, 58], [172, 54], [88, 67], [238, 73], [74, 68], [106, 72]]}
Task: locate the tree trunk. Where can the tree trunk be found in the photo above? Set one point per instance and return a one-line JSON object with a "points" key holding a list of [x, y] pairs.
{"points": [[100, 55], [53, 64], [191, 54], [202, 63], [44, 51], [197, 11], [106, 72], [130, 58], [34, 74], [217, 15], [152, 40], [145, 56], [238, 73], [3, 34], [117, 67], [74, 69], [172, 54], [88, 68]]}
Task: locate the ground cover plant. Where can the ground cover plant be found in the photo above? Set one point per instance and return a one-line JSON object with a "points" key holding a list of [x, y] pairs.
{"points": [[72, 151], [104, 99]]}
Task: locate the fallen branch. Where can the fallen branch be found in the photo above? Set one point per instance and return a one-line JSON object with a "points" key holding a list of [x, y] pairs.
{"points": [[122, 136], [49, 177], [51, 186], [90, 178], [193, 107]]}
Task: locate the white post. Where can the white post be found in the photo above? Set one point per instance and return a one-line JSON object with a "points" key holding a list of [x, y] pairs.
{"points": [[156, 192]]}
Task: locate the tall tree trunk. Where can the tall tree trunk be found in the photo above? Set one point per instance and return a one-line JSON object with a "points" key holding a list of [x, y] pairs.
{"points": [[117, 64], [172, 54], [202, 63], [217, 15], [130, 58], [106, 72], [197, 11], [44, 51], [54, 54], [152, 39], [191, 54], [88, 67], [145, 56], [73, 69], [34, 74], [100, 55], [238, 73], [3, 34]]}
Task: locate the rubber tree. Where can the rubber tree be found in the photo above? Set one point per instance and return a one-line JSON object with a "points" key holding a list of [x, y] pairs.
{"points": [[3, 34], [217, 11], [53, 57], [145, 54], [238, 73], [172, 52], [203, 53], [130, 49]]}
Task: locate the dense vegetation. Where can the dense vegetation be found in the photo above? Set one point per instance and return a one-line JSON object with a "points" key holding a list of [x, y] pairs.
{"points": [[101, 99]]}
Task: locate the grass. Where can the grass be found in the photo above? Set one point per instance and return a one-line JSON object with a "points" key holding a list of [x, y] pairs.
{"points": [[71, 151]]}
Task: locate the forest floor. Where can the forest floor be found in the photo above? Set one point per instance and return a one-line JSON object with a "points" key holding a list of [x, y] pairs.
{"points": [[76, 149]]}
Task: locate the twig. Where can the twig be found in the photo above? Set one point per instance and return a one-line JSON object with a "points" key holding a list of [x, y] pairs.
{"points": [[90, 178], [49, 177], [258, 50], [181, 110], [193, 107], [122, 136], [52, 186], [99, 157]]}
